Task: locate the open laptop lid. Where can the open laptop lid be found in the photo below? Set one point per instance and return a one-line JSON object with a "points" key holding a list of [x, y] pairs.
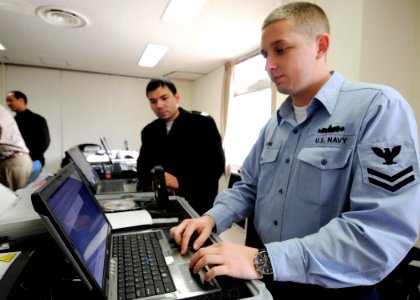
{"points": [[81, 162], [75, 220]]}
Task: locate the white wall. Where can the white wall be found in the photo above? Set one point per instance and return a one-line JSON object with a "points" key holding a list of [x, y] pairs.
{"points": [[345, 18], [388, 44], [207, 94], [81, 107]]}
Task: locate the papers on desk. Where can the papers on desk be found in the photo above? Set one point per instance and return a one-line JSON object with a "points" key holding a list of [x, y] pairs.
{"points": [[129, 218], [133, 218], [6, 260]]}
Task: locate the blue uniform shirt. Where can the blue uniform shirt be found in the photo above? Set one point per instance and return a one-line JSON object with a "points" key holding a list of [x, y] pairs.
{"points": [[336, 197]]}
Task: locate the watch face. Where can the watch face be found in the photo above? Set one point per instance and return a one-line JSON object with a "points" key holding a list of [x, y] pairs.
{"points": [[263, 263]]}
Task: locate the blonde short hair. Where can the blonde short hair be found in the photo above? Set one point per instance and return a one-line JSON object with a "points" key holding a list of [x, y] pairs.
{"points": [[306, 18]]}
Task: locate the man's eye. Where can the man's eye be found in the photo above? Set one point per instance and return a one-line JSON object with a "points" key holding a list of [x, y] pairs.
{"points": [[281, 51]]}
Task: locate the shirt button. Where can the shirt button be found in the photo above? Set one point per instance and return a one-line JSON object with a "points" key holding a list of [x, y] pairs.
{"points": [[324, 162], [275, 223], [280, 191], [295, 131], [287, 160]]}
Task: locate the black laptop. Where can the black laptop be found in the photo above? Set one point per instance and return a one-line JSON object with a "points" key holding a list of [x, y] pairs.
{"points": [[114, 265], [100, 186]]}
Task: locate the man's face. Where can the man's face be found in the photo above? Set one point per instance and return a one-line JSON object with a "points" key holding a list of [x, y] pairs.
{"points": [[164, 103], [13, 103], [290, 58]]}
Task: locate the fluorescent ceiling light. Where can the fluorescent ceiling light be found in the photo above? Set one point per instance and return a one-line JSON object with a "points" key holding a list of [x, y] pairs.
{"points": [[182, 11], [2, 47], [152, 55]]}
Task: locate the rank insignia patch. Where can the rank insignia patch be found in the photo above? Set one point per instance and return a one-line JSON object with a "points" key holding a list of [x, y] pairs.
{"points": [[387, 182], [389, 167]]}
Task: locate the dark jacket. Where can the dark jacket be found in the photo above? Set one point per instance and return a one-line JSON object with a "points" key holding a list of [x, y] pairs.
{"points": [[192, 152], [34, 130]]}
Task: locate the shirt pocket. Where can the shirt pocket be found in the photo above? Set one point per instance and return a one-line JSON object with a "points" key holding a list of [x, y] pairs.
{"points": [[325, 158], [268, 166], [325, 172]]}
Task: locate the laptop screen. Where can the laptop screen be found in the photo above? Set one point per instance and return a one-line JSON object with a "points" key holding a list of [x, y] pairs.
{"points": [[79, 216], [80, 160]]}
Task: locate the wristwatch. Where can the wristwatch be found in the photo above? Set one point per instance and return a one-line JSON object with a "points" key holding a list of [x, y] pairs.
{"points": [[263, 263]]}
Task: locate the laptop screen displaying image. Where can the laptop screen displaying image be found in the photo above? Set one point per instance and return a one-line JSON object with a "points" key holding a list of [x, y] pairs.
{"points": [[81, 219]]}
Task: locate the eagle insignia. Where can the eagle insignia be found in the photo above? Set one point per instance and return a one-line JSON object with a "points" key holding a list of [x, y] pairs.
{"points": [[387, 154]]}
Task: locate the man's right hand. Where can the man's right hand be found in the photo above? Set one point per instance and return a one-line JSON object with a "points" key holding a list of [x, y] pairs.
{"points": [[183, 232]]}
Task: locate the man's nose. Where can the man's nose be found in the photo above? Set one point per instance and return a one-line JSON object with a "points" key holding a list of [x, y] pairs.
{"points": [[159, 103], [270, 64]]}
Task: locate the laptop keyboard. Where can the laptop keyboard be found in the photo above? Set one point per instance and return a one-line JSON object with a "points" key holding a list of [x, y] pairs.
{"points": [[142, 270], [112, 186]]}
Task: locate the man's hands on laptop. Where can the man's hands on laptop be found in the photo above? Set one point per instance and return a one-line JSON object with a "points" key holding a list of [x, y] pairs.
{"points": [[223, 258], [183, 232]]}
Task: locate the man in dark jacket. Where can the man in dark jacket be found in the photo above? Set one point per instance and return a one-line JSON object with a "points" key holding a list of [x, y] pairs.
{"points": [[187, 145], [34, 130]]}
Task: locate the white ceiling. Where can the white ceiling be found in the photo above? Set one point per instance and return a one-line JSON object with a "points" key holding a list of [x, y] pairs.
{"points": [[118, 31]]}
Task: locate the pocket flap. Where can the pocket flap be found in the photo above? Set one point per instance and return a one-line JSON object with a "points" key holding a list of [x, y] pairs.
{"points": [[325, 157]]}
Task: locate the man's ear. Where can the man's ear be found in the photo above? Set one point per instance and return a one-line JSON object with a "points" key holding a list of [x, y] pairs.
{"points": [[323, 43], [177, 97]]}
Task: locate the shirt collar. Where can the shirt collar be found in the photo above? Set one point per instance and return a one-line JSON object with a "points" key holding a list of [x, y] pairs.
{"points": [[329, 92], [327, 96]]}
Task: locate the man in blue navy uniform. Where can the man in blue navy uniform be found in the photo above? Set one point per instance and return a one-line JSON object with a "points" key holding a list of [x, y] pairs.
{"points": [[187, 145], [333, 178]]}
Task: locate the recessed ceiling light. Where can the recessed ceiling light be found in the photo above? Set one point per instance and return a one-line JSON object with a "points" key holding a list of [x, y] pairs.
{"points": [[183, 75], [182, 11], [2, 48], [61, 17], [151, 55]]}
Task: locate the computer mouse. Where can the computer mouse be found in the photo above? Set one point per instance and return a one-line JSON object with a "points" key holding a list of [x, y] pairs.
{"points": [[128, 156]]}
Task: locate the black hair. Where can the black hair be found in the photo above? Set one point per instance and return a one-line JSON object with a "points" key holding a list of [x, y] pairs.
{"points": [[160, 82], [19, 95]]}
